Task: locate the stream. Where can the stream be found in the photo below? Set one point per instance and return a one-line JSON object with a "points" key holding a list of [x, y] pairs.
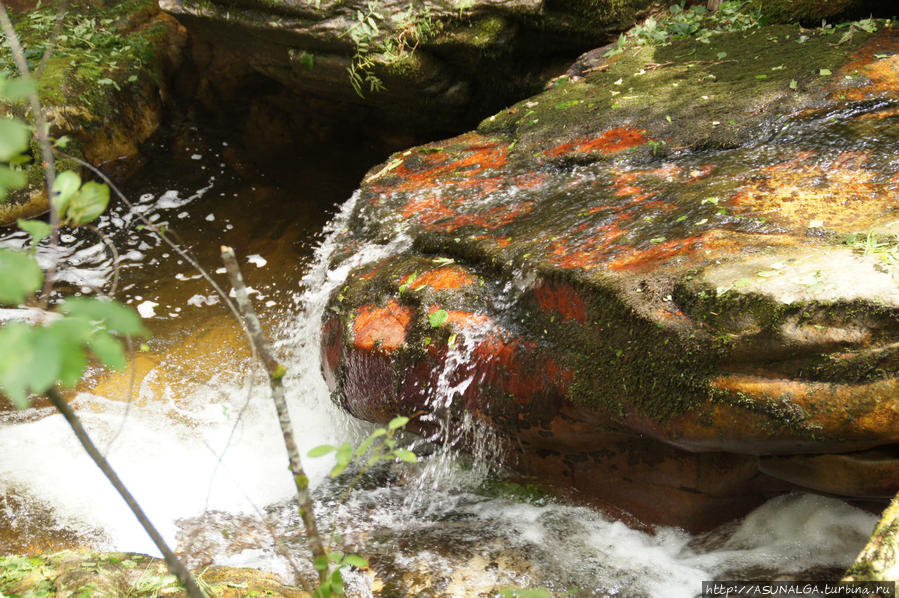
{"points": [[192, 432]]}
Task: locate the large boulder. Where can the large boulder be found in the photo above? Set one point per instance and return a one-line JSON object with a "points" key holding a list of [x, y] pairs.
{"points": [[441, 63], [670, 280], [103, 88]]}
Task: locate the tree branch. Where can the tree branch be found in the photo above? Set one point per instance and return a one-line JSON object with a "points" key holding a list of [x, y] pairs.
{"points": [[276, 372], [176, 567]]}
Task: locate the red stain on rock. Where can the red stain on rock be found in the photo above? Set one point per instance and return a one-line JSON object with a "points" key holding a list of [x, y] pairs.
{"points": [[613, 140], [641, 260], [332, 347], [561, 298], [382, 327], [492, 218], [447, 277]]}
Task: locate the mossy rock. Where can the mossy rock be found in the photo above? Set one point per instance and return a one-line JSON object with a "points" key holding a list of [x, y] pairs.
{"points": [[103, 88], [71, 573], [668, 263]]}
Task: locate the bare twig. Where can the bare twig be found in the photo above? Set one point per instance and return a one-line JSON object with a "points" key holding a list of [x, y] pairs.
{"points": [[276, 372], [176, 567], [43, 137]]}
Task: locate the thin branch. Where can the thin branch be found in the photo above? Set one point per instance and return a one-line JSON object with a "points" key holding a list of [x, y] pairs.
{"points": [[275, 375], [43, 138], [174, 246], [176, 567]]}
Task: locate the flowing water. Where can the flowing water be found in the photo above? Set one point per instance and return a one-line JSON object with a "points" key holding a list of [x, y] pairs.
{"points": [[192, 432]]}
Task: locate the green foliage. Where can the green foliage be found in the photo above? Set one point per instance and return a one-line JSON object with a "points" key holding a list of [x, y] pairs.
{"points": [[885, 250], [693, 21], [438, 318], [378, 42], [336, 562], [380, 446], [20, 276], [38, 229]]}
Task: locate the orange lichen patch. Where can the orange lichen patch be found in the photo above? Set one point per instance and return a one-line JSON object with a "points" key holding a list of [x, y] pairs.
{"points": [[427, 210], [370, 274], [613, 140], [666, 171], [478, 154], [639, 260], [463, 319], [492, 218], [840, 194], [561, 298], [883, 73], [447, 277], [382, 327]]}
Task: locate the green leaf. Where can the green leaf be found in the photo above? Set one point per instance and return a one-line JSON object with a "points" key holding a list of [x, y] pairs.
{"points": [[64, 187], [722, 55], [320, 563], [10, 178], [20, 276], [14, 136], [108, 349], [824, 72], [87, 205], [15, 347], [46, 356], [30, 358], [38, 229], [793, 84], [398, 422], [16, 89], [404, 455], [117, 317], [321, 450], [360, 450], [356, 561], [335, 556], [438, 318]]}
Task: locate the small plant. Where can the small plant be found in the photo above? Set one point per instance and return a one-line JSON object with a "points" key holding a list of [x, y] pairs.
{"points": [[696, 20], [379, 447], [885, 250]]}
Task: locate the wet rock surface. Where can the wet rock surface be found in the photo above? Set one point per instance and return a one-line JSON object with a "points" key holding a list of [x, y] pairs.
{"points": [[440, 63], [652, 277]]}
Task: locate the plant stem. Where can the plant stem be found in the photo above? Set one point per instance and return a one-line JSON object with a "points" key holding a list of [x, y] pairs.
{"points": [[176, 567], [43, 138], [276, 372]]}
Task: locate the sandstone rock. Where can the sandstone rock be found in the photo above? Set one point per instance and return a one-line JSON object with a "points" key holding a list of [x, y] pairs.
{"points": [[657, 281]]}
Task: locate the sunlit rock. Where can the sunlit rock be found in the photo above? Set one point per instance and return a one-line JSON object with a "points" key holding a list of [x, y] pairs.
{"points": [[675, 276]]}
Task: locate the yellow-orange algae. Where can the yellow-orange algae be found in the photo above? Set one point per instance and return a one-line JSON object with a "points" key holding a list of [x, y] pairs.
{"points": [[382, 327], [878, 61], [839, 193], [447, 277], [613, 140]]}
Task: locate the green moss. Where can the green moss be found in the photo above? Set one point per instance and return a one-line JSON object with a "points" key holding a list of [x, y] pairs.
{"points": [[683, 93]]}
